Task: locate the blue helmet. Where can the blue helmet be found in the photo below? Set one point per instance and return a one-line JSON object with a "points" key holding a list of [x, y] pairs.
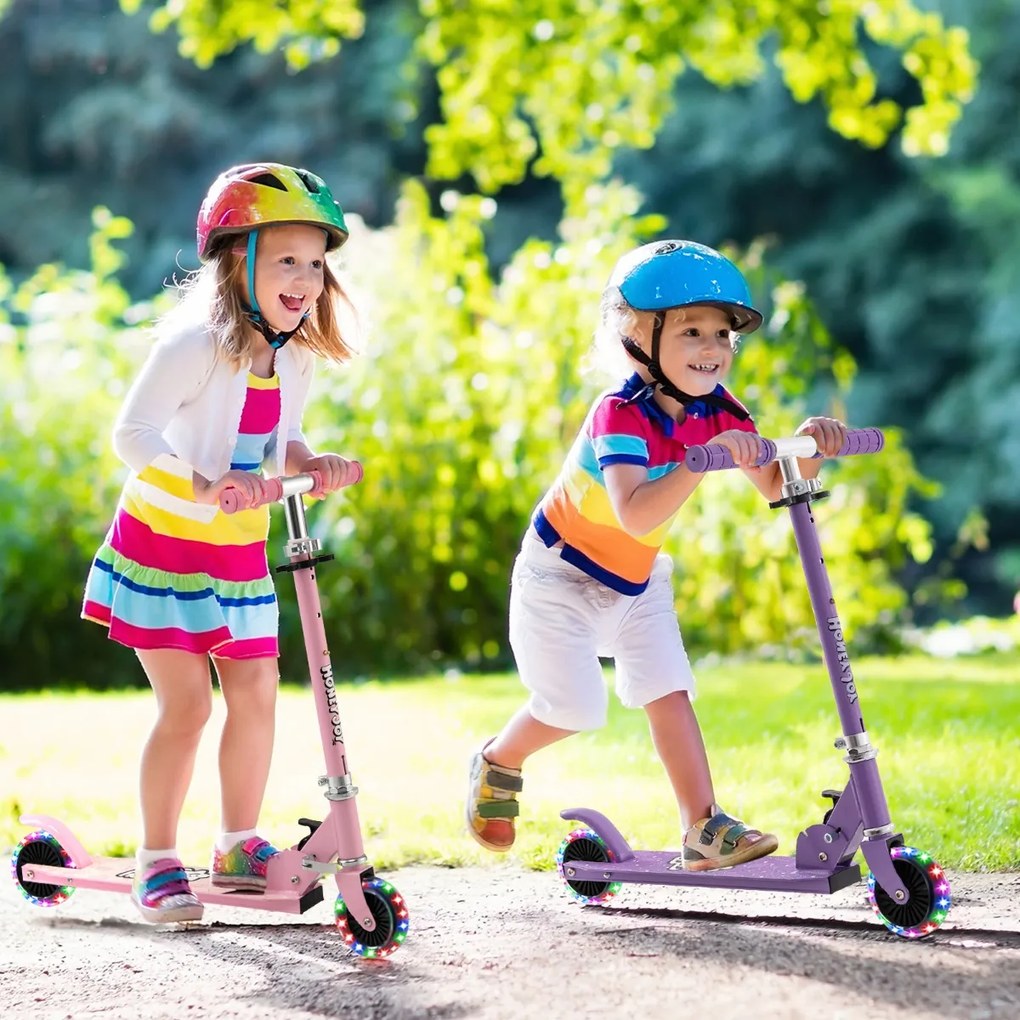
{"points": [[672, 274]]}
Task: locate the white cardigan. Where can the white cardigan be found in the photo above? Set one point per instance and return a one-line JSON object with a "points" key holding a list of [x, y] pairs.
{"points": [[187, 402]]}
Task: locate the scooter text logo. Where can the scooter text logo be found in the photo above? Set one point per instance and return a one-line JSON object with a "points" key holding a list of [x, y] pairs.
{"points": [[326, 672], [846, 675]]}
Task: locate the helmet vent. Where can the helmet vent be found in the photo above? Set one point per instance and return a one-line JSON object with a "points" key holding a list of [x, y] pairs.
{"points": [[269, 180], [309, 182], [666, 247]]}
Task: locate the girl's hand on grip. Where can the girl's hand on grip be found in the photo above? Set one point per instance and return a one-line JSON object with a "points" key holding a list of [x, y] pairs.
{"points": [[251, 490], [335, 471]]}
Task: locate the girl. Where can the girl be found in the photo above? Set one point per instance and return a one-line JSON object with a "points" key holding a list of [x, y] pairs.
{"points": [[590, 580], [178, 580]]}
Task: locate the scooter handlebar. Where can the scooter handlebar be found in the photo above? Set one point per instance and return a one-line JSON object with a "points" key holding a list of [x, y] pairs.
{"points": [[289, 485], [712, 457]]}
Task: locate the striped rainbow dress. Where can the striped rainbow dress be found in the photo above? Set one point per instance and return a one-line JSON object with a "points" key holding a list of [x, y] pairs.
{"points": [[173, 573]]}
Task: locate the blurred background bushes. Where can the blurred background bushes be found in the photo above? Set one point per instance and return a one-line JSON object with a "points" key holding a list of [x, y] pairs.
{"points": [[488, 209]]}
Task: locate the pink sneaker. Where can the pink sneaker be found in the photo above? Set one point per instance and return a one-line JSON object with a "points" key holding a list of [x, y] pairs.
{"points": [[162, 894], [243, 866]]}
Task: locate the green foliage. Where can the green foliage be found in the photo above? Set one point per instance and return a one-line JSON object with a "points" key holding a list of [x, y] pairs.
{"points": [[570, 82], [461, 409], [100, 111], [575, 81], [307, 30], [467, 400], [473, 386], [68, 349]]}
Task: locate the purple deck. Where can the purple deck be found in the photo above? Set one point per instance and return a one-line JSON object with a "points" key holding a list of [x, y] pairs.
{"points": [[657, 867], [114, 874]]}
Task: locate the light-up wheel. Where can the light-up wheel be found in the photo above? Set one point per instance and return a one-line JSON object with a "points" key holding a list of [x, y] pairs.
{"points": [[390, 914], [40, 848], [930, 896], [585, 845]]}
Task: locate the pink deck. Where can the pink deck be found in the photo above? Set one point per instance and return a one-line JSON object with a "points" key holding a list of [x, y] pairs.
{"points": [[114, 874]]}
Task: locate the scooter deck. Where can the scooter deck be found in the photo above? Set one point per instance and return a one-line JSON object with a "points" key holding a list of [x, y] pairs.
{"points": [[114, 874], [664, 867]]}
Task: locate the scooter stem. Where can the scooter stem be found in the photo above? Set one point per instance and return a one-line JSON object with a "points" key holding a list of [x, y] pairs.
{"points": [[860, 756], [340, 789]]}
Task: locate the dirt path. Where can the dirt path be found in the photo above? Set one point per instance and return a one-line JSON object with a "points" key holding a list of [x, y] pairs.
{"points": [[505, 944]]}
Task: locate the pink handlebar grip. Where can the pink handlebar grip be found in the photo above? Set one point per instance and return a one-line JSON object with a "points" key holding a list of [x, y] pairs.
{"points": [[230, 503], [712, 457]]}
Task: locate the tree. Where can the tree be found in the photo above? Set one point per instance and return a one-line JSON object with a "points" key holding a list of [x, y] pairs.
{"points": [[556, 90], [558, 85]]}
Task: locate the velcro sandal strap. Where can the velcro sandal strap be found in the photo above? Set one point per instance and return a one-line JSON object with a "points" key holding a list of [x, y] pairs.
{"points": [[715, 824], [169, 877], [732, 835], [501, 781], [497, 809]]}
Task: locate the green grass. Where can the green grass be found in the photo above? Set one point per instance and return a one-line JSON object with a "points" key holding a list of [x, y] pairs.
{"points": [[948, 733]]}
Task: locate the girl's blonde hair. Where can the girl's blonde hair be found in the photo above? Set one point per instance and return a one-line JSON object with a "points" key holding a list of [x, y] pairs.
{"points": [[214, 295]]}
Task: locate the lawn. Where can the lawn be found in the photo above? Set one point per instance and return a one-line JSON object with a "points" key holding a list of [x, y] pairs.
{"points": [[948, 734]]}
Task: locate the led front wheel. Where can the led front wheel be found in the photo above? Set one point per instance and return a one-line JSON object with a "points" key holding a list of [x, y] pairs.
{"points": [[390, 914], [930, 896]]}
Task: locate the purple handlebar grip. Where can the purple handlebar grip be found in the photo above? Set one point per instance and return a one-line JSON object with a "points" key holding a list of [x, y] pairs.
{"points": [[713, 457], [861, 441]]}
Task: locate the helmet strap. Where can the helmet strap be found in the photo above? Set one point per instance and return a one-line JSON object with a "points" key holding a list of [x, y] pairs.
{"points": [[665, 384], [274, 338]]}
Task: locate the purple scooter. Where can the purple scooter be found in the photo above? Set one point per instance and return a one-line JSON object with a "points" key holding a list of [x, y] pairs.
{"points": [[907, 889]]}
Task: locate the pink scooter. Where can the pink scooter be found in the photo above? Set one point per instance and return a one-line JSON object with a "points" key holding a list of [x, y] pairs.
{"points": [[50, 862], [908, 891]]}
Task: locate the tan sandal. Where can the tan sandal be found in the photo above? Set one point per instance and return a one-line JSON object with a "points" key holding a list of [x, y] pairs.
{"points": [[492, 803], [721, 842]]}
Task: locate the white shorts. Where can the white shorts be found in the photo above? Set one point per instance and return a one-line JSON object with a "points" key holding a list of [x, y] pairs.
{"points": [[562, 620]]}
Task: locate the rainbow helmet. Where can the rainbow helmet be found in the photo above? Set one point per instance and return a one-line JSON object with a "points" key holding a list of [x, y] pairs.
{"points": [[255, 195], [673, 273]]}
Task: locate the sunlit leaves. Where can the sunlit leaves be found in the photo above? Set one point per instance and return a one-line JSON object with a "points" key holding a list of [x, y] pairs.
{"points": [[572, 82], [555, 87], [306, 30]]}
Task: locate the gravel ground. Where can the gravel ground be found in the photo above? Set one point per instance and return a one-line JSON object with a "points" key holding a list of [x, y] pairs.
{"points": [[503, 943]]}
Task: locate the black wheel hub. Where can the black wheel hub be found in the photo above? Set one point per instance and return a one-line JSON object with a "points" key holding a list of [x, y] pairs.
{"points": [[385, 922], [39, 851], [922, 895], [585, 849]]}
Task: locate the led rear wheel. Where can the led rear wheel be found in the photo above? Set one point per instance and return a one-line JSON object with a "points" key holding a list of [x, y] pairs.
{"points": [[588, 846], [40, 848]]}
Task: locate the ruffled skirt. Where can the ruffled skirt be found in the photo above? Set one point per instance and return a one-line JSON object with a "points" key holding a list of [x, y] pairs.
{"points": [[173, 573]]}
